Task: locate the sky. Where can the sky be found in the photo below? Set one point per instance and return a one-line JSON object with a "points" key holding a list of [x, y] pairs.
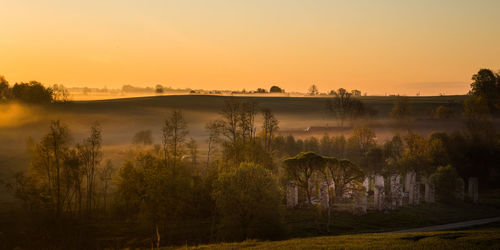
{"points": [[378, 47]]}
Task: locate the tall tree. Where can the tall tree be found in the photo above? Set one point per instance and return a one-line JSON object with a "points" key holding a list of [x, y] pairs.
{"points": [[237, 125], [270, 127], [313, 90], [48, 162], [174, 134], [486, 84], [213, 129], [4, 89], [105, 175], [346, 177], [91, 154], [192, 145]]}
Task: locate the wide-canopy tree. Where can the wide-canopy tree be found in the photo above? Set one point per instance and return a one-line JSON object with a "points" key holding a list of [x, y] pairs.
{"points": [[345, 174], [302, 167]]}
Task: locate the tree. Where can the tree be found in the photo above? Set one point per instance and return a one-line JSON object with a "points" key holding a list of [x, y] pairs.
{"points": [[246, 120], [105, 175], [237, 126], [476, 108], [160, 197], [361, 140], [192, 145], [48, 163], [443, 112], [345, 175], [60, 93], [401, 109], [32, 92], [445, 181], [261, 90], [144, 137], [416, 156], [248, 200], [301, 168], [174, 133], [313, 90], [486, 84], [393, 150], [344, 106], [4, 89], [375, 161], [159, 89], [356, 93], [276, 89], [213, 129], [270, 127], [90, 152]]}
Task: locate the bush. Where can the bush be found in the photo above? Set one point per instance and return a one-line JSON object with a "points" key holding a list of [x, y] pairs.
{"points": [[445, 181], [248, 201]]}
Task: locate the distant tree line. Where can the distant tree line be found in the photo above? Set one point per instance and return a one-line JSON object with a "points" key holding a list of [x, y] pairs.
{"points": [[32, 92]]}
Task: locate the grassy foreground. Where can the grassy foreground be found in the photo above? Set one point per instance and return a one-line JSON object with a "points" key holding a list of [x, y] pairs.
{"points": [[468, 239]]}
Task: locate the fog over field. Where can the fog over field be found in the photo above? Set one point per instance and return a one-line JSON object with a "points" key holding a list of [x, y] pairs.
{"points": [[122, 118]]}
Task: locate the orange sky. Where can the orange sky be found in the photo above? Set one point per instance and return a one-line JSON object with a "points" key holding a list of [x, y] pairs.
{"points": [[379, 47]]}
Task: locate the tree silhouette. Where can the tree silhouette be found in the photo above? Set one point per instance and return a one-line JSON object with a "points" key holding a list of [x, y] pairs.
{"points": [[344, 106]]}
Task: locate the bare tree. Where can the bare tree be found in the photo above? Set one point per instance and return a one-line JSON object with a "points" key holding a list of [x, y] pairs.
{"points": [[237, 126], [192, 145], [60, 93], [344, 106], [144, 137], [230, 120], [174, 134], [214, 130], [48, 163], [313, 90], [105, 176], [91, 155], [270, 127], [246, 121]]}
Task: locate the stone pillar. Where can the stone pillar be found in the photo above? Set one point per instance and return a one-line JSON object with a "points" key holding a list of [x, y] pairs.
{"points": [[416, 193], [366, 184], [378, 193], [292, 195], [408, 181], [413, 188], [411, 180], [325, 200], [430, 192], [473, 189], [396, 192], [459, 192]]}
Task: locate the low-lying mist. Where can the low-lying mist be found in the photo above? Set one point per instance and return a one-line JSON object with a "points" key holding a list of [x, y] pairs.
{"points": [[16, 114]]}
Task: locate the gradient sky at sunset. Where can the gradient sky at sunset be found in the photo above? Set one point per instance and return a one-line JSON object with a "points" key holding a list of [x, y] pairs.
{"points": [[384, 46]]}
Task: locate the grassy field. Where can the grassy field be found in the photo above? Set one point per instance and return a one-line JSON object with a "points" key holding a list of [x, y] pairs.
{"points": [[465, 239]]}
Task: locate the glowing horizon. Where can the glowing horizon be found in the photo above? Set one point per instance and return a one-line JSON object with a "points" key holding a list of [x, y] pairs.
{"points": [[380, 47]]}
